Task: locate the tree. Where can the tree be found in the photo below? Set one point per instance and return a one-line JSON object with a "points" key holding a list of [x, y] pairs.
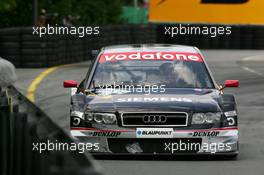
{"points": [[16, 13], [92, 12], [6, 5]]}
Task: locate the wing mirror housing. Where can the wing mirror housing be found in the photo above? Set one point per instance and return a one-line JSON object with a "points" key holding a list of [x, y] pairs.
{"points": [[70, 84], [229, 83]]}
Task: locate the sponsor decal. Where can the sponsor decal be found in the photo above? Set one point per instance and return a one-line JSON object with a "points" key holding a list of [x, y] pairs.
{"points": [[230, 117], [154, 132], [141, 56], [231, 121], [230, 113], [154, 99], [207, 134], [105, 134], [157, 119]]}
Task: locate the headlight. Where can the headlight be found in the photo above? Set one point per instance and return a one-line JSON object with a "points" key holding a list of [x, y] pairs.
{"points": [[98, 117], [88, 116], [106, 118], [210, 117], [198, 118], [109, 118]]}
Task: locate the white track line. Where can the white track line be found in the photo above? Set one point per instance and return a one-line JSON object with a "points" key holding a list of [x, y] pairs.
{"points": [[249, 69]]}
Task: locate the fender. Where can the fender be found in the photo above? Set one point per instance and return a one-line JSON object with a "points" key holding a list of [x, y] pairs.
{"points": [[228, 103]]}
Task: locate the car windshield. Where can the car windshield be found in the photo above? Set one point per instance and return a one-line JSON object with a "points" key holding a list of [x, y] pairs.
{"points": [[171, 74]]}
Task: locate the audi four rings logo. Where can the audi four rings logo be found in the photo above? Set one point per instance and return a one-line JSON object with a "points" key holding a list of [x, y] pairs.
{"points": [[157, 119]]}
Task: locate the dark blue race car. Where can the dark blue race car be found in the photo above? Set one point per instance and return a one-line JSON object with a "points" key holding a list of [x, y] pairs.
{"points": [[153, 99]]}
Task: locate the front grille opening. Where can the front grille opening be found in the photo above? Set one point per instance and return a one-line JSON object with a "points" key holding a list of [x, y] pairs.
{"points": [[155, 119]]}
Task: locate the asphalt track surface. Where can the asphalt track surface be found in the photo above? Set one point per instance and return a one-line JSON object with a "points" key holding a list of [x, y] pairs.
{"points": [[245, 65]]}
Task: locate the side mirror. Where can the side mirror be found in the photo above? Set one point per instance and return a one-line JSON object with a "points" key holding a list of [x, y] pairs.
{"points": [[231, 83], [70, 84]]}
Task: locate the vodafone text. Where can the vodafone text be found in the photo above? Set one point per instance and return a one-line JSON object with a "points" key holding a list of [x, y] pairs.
{"points": [[109, 57]]}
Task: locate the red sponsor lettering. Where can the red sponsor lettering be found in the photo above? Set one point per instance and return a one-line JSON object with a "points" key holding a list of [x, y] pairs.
{"points": [[169, 56]]}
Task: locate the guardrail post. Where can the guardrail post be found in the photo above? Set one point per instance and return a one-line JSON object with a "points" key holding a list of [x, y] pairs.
{"points": [[5, 133]]}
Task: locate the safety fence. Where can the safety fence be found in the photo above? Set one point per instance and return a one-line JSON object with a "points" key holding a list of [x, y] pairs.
{"points": [[23, 125], [240, 37], [23, 49]]}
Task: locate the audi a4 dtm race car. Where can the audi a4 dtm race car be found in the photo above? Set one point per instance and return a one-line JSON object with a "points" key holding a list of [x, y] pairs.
{"points": [[153, 99]]}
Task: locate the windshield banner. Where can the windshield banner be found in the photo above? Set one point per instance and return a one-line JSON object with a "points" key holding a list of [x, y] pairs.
{"points": [[162, 56]]}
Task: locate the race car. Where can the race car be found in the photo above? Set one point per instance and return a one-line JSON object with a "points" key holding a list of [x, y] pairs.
{"points": [[153, 99]]}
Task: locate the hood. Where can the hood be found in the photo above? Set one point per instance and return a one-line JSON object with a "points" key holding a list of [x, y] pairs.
{"points": [[186, 100]]}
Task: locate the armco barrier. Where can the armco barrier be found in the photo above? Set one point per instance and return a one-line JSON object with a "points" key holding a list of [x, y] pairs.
{"points": [[22, 124], [242, 37], [23, 49], [19, 46]]}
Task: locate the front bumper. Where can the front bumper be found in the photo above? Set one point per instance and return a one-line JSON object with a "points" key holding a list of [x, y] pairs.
{"points": [[222, 141]]}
